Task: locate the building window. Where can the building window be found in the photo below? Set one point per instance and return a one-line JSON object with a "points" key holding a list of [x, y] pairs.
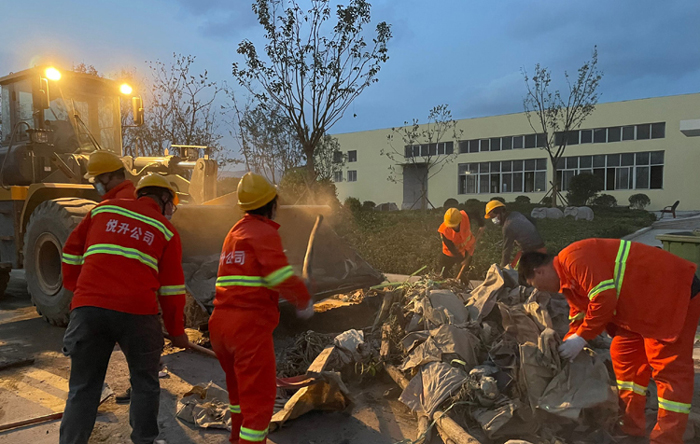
{"points": [[506, 143], [352, 156], [614, 134], [445, 148], [641, 171], [337, 157], [338, 176], [586, 136], [463, 146], [509, 176], [600, 135], [658, 130], [517, 142], [530, 140], [484, 145], [352, 176]]}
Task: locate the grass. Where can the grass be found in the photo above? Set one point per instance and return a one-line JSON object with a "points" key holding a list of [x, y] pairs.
{"points": [[404, 241]]}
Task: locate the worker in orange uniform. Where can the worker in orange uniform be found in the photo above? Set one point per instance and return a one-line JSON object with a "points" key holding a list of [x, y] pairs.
{"points": [[458, 242], [253, 274], [647, 300], [122, 260], [517, 230], [107, 174]]}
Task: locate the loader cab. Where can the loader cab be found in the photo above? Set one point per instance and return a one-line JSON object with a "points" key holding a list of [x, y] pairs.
{"points": [[47, 112]]}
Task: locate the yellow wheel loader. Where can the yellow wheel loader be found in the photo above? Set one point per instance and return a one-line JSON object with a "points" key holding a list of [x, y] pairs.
{"points": [[51, 122]]}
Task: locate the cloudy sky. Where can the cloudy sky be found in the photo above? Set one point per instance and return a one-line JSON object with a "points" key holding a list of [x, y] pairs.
{"points": [[467, 54]]}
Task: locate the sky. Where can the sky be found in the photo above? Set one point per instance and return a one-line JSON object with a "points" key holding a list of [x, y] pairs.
{"points": [[465, 53]]}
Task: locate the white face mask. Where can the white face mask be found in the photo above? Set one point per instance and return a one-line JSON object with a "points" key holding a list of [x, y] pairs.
{"points": [[168, 216], [496, 220], [101, 189]]}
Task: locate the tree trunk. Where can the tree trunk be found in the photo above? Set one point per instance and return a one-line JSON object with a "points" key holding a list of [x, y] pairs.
{"points": [[555, 189], [310, 165]]}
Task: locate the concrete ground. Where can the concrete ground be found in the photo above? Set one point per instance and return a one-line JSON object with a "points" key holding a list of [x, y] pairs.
{"points": [[41, 389], [664, 226]]}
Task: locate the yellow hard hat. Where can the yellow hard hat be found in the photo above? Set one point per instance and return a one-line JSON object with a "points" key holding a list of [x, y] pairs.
{"points": [[156, 180], [453, 217], [492, 205], [101, 162], [254, 191]]}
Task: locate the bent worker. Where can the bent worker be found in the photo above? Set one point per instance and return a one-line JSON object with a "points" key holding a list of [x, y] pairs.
{"points": [[107, 174], [647, 299], [120, 262], [458, 242], [517, 230], [253, 274]]}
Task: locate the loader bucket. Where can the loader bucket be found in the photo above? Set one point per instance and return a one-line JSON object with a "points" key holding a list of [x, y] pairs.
{"points": [[336, 267]]}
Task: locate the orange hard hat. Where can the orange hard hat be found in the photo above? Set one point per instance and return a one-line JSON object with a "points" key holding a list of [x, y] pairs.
{"points": [[492, 205], [452, 217]]}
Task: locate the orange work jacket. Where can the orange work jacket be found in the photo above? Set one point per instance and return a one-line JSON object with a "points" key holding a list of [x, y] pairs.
{"points": [[125, 190], [627, 284], [464, 239]]}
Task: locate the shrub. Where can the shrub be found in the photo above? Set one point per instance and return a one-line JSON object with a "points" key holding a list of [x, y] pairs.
{"points": [[605, 200], [499, 198], [353, 204], [473, 202], [522, 200], [639, 201], [583, 188], [450, 203], [546, 201], [368, 205]]}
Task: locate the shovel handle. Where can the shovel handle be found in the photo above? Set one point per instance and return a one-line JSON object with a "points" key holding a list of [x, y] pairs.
{"points": [[306, 269]]}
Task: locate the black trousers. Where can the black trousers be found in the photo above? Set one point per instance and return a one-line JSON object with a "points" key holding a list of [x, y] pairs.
{"points": [[89, 341], [446, 263]]}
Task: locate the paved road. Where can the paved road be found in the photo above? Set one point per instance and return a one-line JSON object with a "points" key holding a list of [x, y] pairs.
{"points": [[41, 389]]}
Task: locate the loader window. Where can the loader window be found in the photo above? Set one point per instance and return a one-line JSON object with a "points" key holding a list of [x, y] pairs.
{"points": [[25, 103]]}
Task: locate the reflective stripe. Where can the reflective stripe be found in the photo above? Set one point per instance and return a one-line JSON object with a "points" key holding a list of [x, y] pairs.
{"points": [[241, 281], [133, 215], [72, 259], [234, 408], [129, 253], [630, 386], [603, 286], [618, 274], [277, 277], [252, 435], [578, 317], [171, 290], [621, 264], [673, 406]]}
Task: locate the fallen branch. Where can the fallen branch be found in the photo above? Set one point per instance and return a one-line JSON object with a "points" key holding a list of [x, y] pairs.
{"points": [[26, 422], [446, 425]]}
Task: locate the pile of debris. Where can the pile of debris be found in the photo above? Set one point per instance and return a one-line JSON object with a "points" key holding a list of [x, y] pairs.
{"points": [[486, 360]]}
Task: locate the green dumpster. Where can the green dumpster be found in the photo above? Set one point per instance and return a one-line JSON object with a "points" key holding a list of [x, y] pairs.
{"points": [[685, 244]]}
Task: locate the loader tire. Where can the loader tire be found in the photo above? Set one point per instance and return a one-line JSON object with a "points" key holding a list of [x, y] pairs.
{"points": [[47, 231]]}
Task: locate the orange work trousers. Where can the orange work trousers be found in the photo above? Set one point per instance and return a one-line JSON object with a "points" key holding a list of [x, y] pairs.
{"points": [[242, 340], [636, 359]]}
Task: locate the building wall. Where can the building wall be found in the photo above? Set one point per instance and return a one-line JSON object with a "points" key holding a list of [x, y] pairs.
{"points": [[681, 178]]}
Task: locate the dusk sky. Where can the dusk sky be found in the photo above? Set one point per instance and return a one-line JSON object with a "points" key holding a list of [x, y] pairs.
{"points": [[467, 54]]}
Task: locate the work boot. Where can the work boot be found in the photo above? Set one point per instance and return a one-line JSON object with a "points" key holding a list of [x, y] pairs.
{"points": [[124, 397]]}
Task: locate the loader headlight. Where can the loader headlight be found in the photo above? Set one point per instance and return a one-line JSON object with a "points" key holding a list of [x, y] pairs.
{"points": [[125, 89], [53, 74]]}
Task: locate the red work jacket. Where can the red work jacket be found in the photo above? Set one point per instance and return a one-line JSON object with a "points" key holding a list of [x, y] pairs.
{"points": [[464, 240], [125, 190], [627, 284], [254, 271], [125, 256]]}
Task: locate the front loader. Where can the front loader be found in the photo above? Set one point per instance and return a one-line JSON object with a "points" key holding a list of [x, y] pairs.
{"points": [[51, 122]]}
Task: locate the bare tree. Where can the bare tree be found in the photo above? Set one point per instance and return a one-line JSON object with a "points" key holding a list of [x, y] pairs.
{"points": [[180, 108], [268, 144], [313, 72], [427, 147], [554, 116]]}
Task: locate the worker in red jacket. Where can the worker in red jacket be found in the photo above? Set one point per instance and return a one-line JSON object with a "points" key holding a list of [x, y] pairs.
{"points": [[647, 299], [458, 242], [120, 262], [253, 274], [107, 174]]}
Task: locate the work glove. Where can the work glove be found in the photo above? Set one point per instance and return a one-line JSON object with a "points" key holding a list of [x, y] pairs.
{"points": [[307, 312], [571, 347]]}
